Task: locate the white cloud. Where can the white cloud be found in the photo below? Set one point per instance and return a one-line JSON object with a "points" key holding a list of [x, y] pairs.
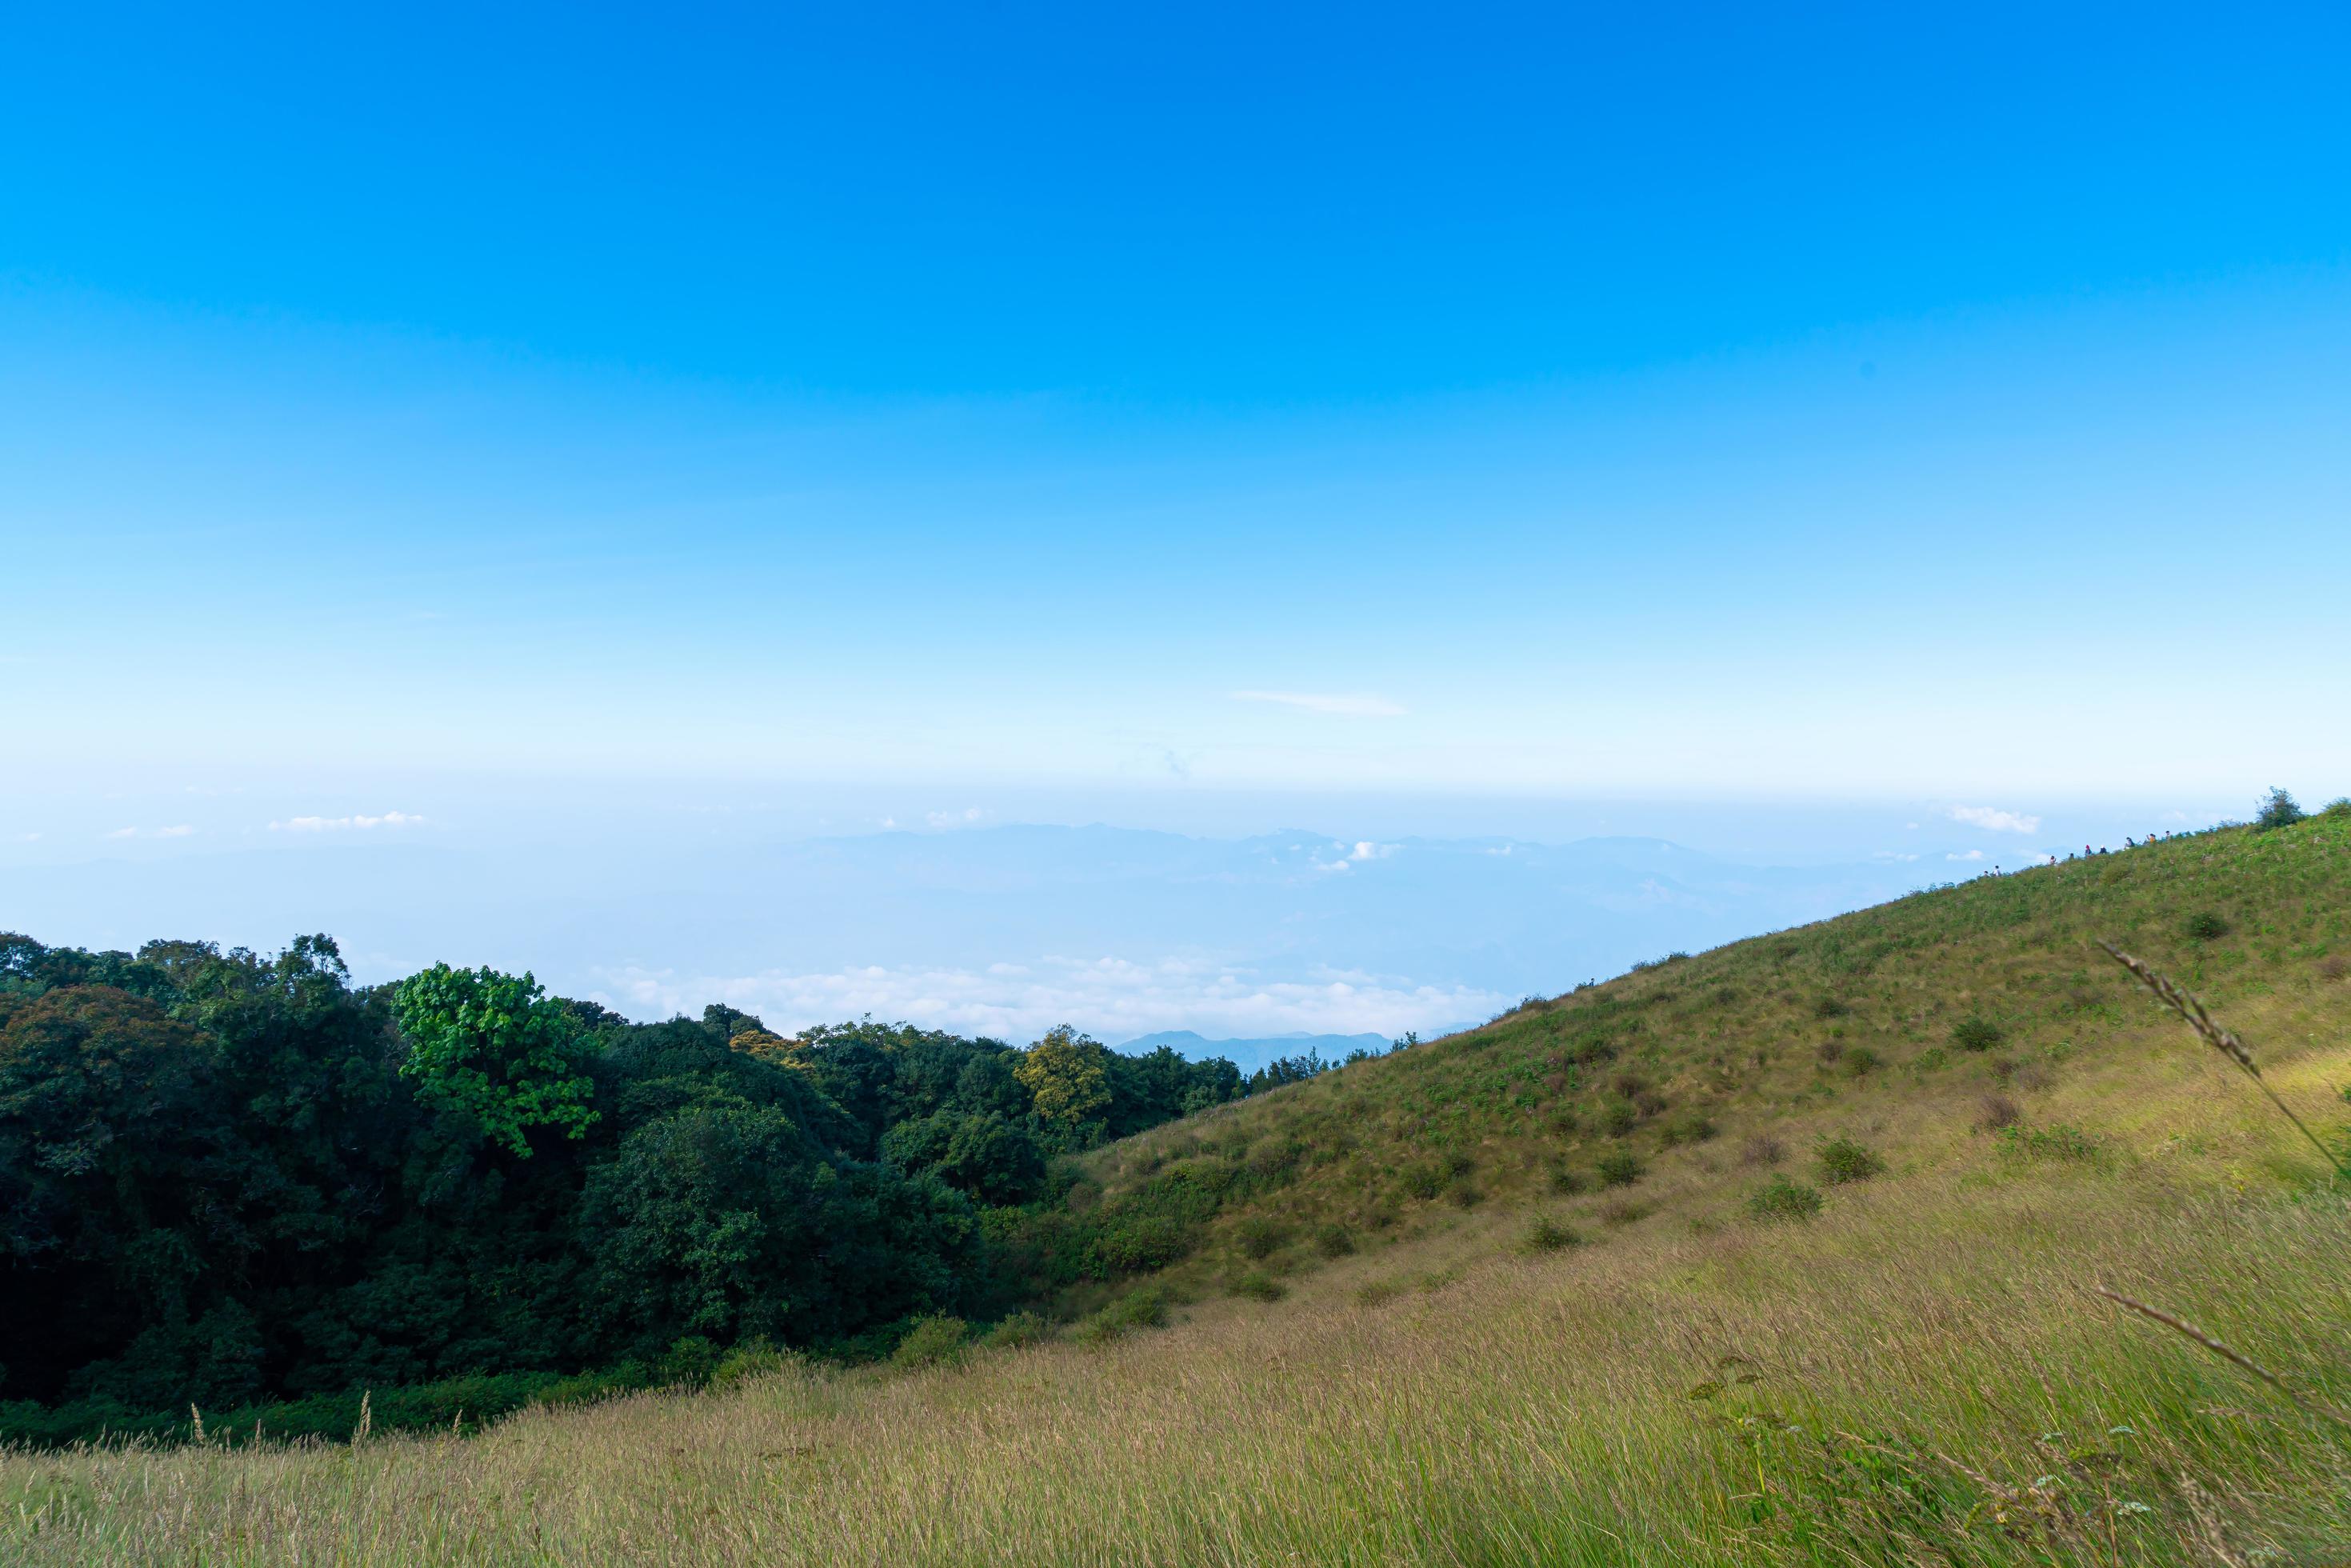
{"points": [[1367, 851], [1892, 856], [181, 832], [30, 837], [953, 818], [1991, 819], [1969, 855], [1111, 998], [1349, 705], [123, 833], [345, 824]]}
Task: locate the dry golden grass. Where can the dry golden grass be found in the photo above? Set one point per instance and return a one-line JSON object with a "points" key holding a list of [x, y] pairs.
{"points": [[1922, 1373]]}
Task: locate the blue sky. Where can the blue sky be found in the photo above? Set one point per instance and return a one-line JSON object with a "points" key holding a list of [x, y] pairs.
{"points": [[1386, 419]]}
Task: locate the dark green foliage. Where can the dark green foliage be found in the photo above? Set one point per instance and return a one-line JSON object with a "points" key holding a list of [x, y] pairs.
{"points": [[1830, 1008], [2337, 809], [1619, 1167], [2279, 809], [238, 1182], [1548, 1234], [1859, 1062], [1688, 1127], [1333, 1240], [1618, 1117], [1259, 1237], [1143, 1307], [1019, 1329], [2205, 926], [1782, 1198], [1259, 1286], [1841, 1160], [930, 1341], [1975, 1033]]}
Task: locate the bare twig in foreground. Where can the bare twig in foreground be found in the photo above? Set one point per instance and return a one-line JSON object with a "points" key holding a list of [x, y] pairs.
{"points": [[2180, 1325], [2223, 1040]]}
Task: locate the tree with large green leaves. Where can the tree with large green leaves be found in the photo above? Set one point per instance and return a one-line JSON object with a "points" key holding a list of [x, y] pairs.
{"points": [[497, 1047]]}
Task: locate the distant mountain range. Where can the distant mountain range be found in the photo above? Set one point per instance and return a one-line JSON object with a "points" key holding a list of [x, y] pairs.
{"points": [[1248, 1055]]}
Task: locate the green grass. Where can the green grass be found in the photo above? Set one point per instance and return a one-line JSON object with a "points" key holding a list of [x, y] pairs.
{"points": [[1910, 1367]]}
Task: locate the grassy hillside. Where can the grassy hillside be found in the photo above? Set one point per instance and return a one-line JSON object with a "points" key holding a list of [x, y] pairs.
{"points": [[1780, 1253]]}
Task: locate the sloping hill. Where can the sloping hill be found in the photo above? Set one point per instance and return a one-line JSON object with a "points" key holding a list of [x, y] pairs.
{"points": [[1671, 1096], [1409, 1323]]}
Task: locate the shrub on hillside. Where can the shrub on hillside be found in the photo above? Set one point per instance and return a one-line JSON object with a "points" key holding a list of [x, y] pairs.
{"points": [[2338, 809], [1762, 1149], [1780, 1199], [1617, 1116], [752, 1358], [1259, 1286], [1019, 1329], [1565, 1179], [2205, 926], [930, 1342], [1831, 1008], [1619, 1167], [1859, 1062], [1144, 1307], [1548, 1234], [1995, 1112], [2279, 809], [1975, 1032], [1841, 1160], [1333, 1240], [1259, 1237], [1422, 1181], [1689, 1127]]}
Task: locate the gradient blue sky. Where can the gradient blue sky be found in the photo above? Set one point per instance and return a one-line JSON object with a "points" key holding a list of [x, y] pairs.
{"points": [[1016, 410]]}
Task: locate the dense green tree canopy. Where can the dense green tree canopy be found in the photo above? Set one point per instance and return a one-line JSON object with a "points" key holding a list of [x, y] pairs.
{"points": [[225, 1176]]}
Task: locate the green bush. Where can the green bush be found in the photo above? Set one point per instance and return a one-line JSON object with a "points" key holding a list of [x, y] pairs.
{"points": [[752, 1358], [1259, 1286], [1831, 1008], [1019, 1329], [2279, 809], [1618, 1117], [689, 1360], [1689, 1127], [1565, 1179], [2205, 926], [1841, 1160], [1859, 1062], [1259, 1237], [1422, 1181], [1975, 1032], [1144, 1307], [1333, 1240], [2338, 809], [1619, 1167], [931, 1341], [1780, 1199], [1548, 1234]]}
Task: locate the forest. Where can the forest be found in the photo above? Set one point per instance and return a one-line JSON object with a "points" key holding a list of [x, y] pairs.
{"points": [[233, 1182]]}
